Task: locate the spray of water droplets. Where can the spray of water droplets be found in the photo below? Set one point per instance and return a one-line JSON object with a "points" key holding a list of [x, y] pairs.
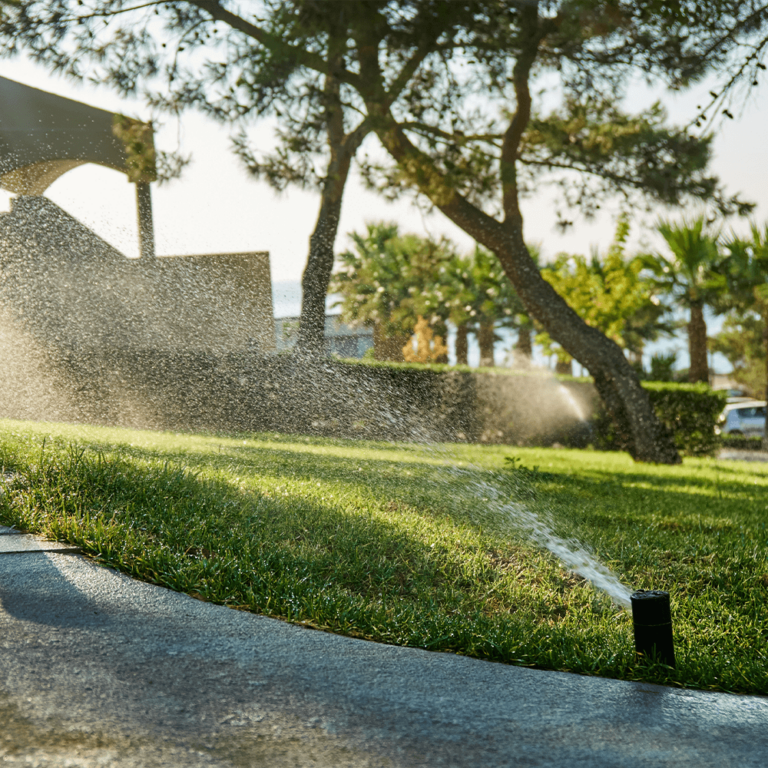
{"points": [[51, 312], [574, 556]]}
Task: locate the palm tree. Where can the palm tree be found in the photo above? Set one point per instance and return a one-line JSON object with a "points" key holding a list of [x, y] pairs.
{"points": [[746, 273], [690, 274], [609, 292], [388, 281], [391, 280], [480, 299]]}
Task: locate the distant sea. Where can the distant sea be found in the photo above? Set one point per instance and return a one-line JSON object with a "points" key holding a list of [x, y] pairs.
{"points": [[286, 299]]}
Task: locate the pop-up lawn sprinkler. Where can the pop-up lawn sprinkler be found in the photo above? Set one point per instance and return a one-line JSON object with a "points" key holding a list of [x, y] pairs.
{"points": [[652, 620]]}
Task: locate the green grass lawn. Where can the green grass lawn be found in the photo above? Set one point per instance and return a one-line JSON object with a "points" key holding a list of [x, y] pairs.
{"points": [[415, 546]]}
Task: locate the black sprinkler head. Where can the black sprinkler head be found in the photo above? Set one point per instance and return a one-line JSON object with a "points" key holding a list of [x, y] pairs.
{"points": [[652, 620]]}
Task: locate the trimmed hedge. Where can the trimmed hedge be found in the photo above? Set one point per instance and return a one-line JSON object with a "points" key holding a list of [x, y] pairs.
{"points": [[383, 401], [689, 411], [489, 405], [742, 443]]}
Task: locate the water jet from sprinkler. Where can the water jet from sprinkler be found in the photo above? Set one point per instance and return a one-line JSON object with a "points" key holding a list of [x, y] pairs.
{"points": [[652, 621]]}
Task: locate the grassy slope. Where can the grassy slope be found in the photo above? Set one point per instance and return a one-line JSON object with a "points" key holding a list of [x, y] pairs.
{"points": [[392, 543]]}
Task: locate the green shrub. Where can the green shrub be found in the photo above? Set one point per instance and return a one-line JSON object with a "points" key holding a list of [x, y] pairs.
{"points": [[689, 411], [742, 442]]}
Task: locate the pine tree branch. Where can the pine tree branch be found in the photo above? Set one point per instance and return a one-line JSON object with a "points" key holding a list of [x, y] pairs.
{"points": [[355, 138], [459, 139], [428, 179], [114, 12], [274, 43], [532, 33], [734, 31], [409, 69]]}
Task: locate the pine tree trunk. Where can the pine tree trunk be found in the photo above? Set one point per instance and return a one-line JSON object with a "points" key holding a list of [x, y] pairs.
{"points": [[615, 379], [697, 345], [485, 339], [524, 344], [462, 345], [317, 273], [617, 383]]}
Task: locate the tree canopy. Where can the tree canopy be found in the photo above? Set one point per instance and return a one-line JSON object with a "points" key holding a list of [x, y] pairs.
{"points": [[610, 293], [475, 161]]}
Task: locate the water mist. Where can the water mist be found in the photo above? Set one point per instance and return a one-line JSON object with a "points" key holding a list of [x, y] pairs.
{"points": [[572, 555]]}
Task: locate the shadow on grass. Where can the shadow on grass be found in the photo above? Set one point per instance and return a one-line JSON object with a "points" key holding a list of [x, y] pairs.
{"points": [[302, 560], [424, 473], [429, 484]]}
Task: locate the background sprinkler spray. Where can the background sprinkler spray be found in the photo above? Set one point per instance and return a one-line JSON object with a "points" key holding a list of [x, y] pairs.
{"points": [[652, 620]]}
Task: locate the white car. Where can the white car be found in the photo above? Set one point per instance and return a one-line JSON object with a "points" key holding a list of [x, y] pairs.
{"points": [[745, 418]]}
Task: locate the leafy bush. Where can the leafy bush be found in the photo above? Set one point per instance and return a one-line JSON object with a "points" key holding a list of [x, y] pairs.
{"points": [[742, 442], [688, 411]]}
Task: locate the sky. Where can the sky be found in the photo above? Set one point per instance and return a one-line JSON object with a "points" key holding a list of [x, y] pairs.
{"points": [[216, 207]]}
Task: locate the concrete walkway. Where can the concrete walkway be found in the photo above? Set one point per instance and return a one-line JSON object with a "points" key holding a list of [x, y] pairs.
{"points": [[97, 669]]}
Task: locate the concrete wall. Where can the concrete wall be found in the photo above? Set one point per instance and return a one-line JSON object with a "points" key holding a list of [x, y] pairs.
{"points": [[66, 288]]}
